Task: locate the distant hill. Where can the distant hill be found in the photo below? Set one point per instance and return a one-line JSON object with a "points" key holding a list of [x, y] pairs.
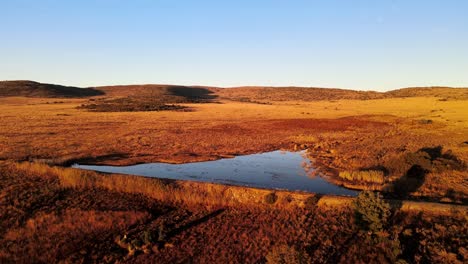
{"points": [[259, 93], [265, 93], [255, 93], [168, 93], [443, 92], [180, 94], [35, 89], [151, 97]]}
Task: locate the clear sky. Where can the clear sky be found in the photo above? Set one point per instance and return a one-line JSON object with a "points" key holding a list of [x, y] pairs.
{"points": [[366, 45]]}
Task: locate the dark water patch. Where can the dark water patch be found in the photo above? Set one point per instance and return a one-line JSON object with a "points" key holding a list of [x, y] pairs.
{"points": [[272, 170]]}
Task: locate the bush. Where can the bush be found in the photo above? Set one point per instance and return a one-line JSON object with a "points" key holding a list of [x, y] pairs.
{"points": [[312, 201], [147, 237], [271, 198], [286, 255], [162, 232], [425, 121], [371, 211], [430, 159]]}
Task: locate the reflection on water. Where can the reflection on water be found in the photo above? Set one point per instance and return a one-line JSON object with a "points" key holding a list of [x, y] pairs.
{"points": [[272, 170]]}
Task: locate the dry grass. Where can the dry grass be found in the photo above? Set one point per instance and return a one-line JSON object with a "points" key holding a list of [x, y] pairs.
{"points": [[371, 176], [178, 192], [81, 224], [32, 128], [342, 135], [47, 237], [200, 194]]}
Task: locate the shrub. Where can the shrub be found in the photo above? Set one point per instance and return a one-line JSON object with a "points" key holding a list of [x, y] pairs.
{"points": [[312, 201], [425, 121], [147, 237], [286, 255], [430, 159], [443, 164], [371, 211], [271, 198], [162, 232], [130, 104]]}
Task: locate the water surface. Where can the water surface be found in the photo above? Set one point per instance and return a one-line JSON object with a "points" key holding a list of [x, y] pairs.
{"points": [[271, 170]]}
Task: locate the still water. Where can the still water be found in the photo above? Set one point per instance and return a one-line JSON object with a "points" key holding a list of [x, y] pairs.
{"points": [[272, 170]]}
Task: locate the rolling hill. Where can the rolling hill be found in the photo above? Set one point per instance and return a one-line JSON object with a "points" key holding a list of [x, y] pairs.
{"points": [[169, 93], [437, 91], [35, 89], [181, 94]]}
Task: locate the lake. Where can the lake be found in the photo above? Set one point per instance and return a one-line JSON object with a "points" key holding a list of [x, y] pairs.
{"points": [[272, 170]]}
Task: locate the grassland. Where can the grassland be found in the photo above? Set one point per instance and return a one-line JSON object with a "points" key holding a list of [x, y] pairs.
{"points": [[343, 135], [412, 147]]}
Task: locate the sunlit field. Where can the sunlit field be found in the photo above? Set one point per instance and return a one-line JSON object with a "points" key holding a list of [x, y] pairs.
{"points": [[356, 133], [412, 150]]}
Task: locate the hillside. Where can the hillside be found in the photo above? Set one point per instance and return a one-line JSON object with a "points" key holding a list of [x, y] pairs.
{"points": [[246, 93], [130, 98], [35, 89], [174, 93], [183, 94], [443, 92], [168, 93]]}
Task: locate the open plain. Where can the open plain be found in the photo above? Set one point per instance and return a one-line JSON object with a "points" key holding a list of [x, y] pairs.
{"points": [[409, 144]]}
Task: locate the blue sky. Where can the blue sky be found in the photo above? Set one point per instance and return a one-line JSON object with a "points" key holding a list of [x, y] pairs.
{"points": [[365, 45]]}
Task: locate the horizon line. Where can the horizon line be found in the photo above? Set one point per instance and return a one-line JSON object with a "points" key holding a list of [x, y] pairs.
{"points": [[244, 86]]}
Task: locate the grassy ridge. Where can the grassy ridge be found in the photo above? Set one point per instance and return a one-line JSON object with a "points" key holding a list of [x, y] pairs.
{"points": [[177, 93], [44, 90], [195, 193], [190, 193]]}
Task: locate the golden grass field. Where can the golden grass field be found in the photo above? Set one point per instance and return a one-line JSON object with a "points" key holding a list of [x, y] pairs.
{"points": [[345, 134], [46, 129]]}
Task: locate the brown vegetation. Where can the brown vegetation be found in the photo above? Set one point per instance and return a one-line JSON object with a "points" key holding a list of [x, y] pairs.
{"points": [[75, 228], [370, 176], [190, 193], [128, 105], [342, 135], [52, 214], [89, 223]]}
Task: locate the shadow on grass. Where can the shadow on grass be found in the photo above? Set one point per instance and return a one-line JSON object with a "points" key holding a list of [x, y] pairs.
{"points": [[420, 163], [93, 160], [194, 223], [160, 99], [192, 93], [410, 182]]}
